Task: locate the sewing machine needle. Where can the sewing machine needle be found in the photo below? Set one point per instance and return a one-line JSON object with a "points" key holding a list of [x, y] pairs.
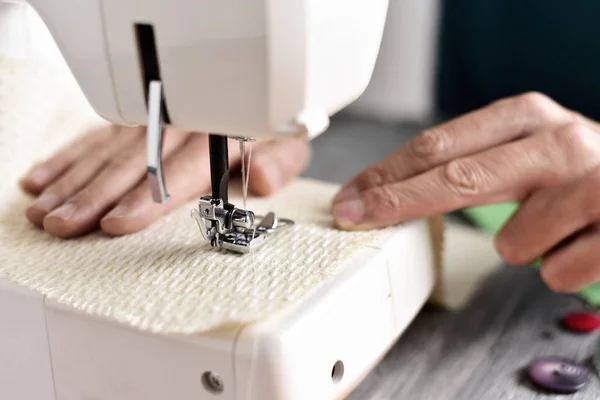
{"points": [[245, 168], [243, 158], [247, 180]]}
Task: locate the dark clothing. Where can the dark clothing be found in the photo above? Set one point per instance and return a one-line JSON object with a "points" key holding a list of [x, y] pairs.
{"points": [[491, 49]]}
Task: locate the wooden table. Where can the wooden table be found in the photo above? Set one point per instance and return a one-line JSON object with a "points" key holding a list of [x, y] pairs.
{"points": [[477, 353]]}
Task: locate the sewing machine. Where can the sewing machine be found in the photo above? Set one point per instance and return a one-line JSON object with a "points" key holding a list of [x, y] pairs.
{"points": [[245, 69]]}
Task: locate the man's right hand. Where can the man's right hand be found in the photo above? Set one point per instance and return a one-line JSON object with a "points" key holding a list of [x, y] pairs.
{"points": [[527, 149]]}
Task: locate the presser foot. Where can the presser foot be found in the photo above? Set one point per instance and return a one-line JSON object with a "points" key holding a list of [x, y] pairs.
{"points": [[225, 226]]}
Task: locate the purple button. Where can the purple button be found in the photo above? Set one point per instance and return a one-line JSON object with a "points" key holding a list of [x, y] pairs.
{"points": [[558, 375]]}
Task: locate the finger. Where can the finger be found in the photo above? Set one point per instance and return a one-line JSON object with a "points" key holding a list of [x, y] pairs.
{"points": [[548, 217], [81, 172], [276, 163], [187, 173], [190, 164], [82, 212], [46, 172], [500, 122], [576, 265], [509, 172]]}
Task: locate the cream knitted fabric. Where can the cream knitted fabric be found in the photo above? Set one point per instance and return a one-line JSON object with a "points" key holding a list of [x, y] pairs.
{"points": [[164, 279]]}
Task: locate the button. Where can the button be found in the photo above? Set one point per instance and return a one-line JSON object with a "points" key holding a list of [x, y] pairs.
{"points": [[581, 321], [558, 375]]}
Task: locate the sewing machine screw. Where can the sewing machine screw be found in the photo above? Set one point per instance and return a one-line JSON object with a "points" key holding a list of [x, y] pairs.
{"points": [[213, 382], [337, 372]]}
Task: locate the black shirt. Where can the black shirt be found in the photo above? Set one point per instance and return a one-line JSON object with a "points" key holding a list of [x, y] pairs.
{"points": [[491, 49]]}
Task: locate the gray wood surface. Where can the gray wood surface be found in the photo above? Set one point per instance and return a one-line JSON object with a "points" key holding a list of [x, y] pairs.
{"points": [[480, 351]]}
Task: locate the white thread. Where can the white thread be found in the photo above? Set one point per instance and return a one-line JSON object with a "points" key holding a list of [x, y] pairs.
{"points": [[247, 180]]}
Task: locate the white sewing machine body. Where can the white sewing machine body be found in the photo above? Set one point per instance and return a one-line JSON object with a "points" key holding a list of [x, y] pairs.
{"points": [[320, 349], [236, 67]]}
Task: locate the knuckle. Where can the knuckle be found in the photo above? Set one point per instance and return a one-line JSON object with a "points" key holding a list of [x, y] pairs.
{"points": [[537, 104], [465, 177], [386, 200], [431, 144], [575, 138], [577, 117], [375, 176]]}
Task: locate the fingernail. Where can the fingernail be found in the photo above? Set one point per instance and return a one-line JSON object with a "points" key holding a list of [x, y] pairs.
{"points": [[64, 212], [47, 202], [349, 213], [119, 211], [39, 175], [347, 193]]}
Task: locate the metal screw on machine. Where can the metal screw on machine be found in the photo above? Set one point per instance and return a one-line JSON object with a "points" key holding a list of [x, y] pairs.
{"points": [[213, 382]]}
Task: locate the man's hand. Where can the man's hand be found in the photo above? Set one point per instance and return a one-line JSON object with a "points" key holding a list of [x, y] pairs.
{"points": [[100, 178], [527, 149]]}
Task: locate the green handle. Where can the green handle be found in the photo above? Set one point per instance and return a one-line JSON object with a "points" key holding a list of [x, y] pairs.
{"points": [[492, 218]]}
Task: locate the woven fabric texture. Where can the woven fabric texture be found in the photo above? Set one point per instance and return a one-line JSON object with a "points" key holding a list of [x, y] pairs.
{"points": [[165, 278]]}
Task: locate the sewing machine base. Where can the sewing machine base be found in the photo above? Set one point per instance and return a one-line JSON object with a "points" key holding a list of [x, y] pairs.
{"points": [[319, 349]]}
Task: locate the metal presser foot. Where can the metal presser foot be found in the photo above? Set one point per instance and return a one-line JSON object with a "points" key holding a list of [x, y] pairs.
{"points": [[232, 228], [223, 224]]}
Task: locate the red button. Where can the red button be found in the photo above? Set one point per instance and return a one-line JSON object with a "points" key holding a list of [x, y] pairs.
{"points": [[582, 321]]}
